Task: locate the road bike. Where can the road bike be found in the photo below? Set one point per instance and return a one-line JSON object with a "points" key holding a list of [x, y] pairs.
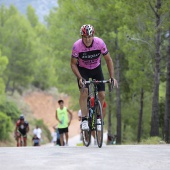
{"points": [[95, 117], [20, 139]]}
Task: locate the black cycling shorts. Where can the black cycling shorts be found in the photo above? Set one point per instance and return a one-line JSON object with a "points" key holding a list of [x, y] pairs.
{"points": [[96, 74], [63, 130]]}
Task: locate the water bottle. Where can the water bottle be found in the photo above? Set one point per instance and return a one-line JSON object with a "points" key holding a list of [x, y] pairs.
{"points": [[92, 101], [62, 120], [91, 112]]}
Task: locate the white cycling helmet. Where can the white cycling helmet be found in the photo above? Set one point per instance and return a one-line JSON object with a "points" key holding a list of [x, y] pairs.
{"points": [[87, 30]]}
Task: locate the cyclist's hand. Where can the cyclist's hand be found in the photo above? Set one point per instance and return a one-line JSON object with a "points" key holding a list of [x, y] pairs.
{"points": [[81, 83], [116, 83], [113, 83]]}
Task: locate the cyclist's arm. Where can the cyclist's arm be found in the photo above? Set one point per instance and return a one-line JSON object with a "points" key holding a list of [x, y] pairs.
{"points": [[74, 68], [15, 131], [110, 66], [27, 129], [16, 128]]}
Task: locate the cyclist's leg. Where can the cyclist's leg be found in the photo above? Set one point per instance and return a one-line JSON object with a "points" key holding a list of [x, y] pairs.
{"points": [[83, 92], [18, 138], [25, 140], [83, 101], [93, 134], [101, 95], [83, 98], [98, 75]]}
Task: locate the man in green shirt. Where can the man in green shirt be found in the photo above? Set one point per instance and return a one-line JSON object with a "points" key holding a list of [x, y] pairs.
{"points": [[63, 121]]}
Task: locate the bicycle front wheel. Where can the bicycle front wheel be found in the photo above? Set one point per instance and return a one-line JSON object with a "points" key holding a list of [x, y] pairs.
{"points": [[99, 124], [86, 135]]}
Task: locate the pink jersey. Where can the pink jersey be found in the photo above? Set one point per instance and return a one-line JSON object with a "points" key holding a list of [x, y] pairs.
{"points": [[89, 57]]}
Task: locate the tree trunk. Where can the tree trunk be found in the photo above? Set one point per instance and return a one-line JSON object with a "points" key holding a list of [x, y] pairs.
{"points": [[167, 102], [118, 99], [140, 116], [109, 117], [7, 87], [155, 101]]}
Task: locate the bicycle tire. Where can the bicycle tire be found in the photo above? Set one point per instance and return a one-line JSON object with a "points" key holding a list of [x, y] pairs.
{"points": [[86, 135], [21, 141], [99, 133]]}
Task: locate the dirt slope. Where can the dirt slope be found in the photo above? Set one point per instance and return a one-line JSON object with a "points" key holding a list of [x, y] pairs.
{"points": [[44, 105]]}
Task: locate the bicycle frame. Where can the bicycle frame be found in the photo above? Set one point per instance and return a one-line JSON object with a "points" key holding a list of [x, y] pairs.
{"points": [[97, 106], [21, 141]]}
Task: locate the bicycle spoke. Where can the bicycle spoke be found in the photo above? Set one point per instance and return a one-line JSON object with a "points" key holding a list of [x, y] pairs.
{"points": [[86, 137]]}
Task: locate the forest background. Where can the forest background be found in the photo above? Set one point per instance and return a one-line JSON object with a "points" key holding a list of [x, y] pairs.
{"points": [[137, 34]]}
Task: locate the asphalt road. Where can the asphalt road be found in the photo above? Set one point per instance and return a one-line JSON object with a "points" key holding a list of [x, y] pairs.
{"points": [[116, 157]]}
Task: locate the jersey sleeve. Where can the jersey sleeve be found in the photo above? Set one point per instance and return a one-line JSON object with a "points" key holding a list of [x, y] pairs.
{"points": [[17, 123], [75, 53], [104, 49]]}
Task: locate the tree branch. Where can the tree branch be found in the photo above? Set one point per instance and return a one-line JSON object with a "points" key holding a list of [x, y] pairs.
{"points": [[156, 14]]}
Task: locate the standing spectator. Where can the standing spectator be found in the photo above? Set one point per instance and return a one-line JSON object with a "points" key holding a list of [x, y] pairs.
{"points": [[37, 131], [36, 141], [57, 136], [54, 137], [63, 121]]}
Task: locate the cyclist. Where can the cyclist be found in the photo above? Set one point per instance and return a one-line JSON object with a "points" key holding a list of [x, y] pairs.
{"points": [[21, 130], [86, 63]]}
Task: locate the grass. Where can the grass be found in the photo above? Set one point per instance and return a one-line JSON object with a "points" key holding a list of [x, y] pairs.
{"points": [[80, 144], [152, 141]]}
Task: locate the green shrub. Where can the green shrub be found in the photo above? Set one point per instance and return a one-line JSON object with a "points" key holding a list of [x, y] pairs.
{"points": [[5, 126], [152, 140], [10, 109]]}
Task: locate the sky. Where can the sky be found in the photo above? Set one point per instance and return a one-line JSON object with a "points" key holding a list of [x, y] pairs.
{"points": [[42, 7]]}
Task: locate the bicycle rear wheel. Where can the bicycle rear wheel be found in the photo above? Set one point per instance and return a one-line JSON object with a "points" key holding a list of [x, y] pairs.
{"points": [[86, 135], [99, 124]]}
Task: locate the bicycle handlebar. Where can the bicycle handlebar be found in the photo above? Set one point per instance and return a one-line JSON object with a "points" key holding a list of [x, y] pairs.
{"points": [[96, 81]]}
